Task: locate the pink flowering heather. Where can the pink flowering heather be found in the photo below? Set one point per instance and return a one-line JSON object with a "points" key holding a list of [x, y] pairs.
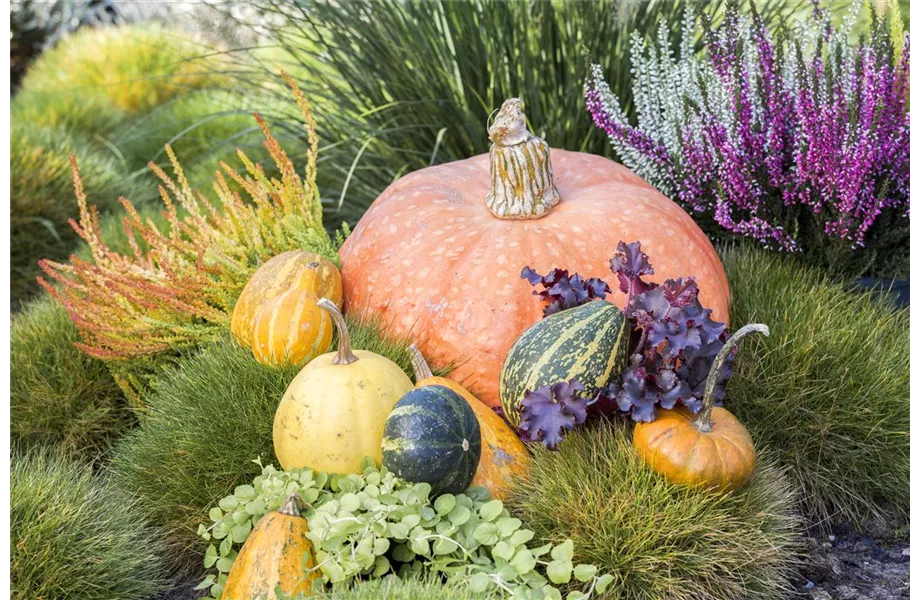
{"points": [[799, 140]]}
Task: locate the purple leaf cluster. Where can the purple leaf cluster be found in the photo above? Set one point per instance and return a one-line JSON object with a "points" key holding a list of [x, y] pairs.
{"points": [[678, 341], [799, 140], [561, 290], [549, 411]]}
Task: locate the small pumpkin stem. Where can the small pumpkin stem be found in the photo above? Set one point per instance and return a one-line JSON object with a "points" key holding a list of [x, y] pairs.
{"points": [[293, 506], [519, 166], [703, 420], [344, 355], [419, 364]]}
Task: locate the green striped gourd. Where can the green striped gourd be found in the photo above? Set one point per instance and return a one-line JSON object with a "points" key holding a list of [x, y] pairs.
{"points": [[432, 436], [587, 343]]}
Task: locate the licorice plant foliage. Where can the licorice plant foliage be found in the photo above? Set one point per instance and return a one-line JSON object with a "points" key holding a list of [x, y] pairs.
{"points": [[74, 536], [798, 139], [373, 524]]}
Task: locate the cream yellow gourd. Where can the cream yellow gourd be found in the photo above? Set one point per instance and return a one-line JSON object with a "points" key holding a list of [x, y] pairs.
{"points": [[334, 411]]}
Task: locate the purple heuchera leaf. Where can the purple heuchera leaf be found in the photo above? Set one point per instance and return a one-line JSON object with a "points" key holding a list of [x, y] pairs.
{"points": [[561, 290], [549, 411], [630, 263]]}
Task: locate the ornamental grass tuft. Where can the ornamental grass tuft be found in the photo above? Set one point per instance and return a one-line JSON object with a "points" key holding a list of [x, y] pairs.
{"points": [[205, 422], [42, 196], [75, 537], [98, 76], [407, 588], [402, 85], [658, 540], [59, 396], [828, 391]]}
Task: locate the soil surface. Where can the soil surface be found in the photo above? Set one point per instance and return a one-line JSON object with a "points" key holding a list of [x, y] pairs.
{"points": [[847, 565]]}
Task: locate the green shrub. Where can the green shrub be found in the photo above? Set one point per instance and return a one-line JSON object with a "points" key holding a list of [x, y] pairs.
{"points": [[73, 536], [94, 78], [659, 540], [828, 391], [415, 83], [207, 419], [42, 196], [409, 588], [58, 395]]}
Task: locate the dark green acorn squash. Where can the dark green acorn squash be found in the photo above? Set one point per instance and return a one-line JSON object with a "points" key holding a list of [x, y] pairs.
{"points": [[587, 343], [432, 436]]}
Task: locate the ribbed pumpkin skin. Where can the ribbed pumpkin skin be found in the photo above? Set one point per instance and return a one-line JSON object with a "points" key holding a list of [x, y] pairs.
{"points": [[279, 274], [432, 262], [291, 328], [723, 458], [272, 556], [587, 343], [331, 416], [503, 453], [433, 436]]}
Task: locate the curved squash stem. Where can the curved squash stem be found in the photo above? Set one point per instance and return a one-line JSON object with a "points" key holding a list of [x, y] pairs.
{"points": [[293, 506], [519, 167], [344, 355], [703, 421], [419, 364]]}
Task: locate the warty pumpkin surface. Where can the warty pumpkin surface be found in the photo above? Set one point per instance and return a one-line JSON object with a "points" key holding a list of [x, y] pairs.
{"points": [[273, 556], [503, 453], [438, 255]]}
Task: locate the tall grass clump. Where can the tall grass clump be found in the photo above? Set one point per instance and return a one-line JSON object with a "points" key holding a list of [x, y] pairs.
{"points": [[407, 588], [205, 423], [828, 391], [401, 85], [658, 540], [96, 77], [42, 196], [75, 537], [59, 396]]}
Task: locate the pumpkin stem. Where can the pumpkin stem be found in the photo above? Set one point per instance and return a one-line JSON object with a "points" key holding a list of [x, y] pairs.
{"points": [[519, 166], [419, 364], [703, 420], [344, 355], [293, 506]]}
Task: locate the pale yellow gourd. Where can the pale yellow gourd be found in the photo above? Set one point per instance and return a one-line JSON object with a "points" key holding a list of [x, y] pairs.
{"points": [[334, 411]]}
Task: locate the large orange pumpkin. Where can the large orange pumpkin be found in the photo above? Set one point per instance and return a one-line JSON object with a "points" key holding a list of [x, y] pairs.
{"points": [[438, 255], [503, 454]]}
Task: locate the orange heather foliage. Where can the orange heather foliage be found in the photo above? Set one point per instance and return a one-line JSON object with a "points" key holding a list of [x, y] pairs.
{"points": [[179, 287]]}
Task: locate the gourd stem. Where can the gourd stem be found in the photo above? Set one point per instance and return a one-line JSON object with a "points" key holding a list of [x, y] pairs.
{"points": [[519, 167], [703, 420], [419, 364], [344, 355], [293, 506]]}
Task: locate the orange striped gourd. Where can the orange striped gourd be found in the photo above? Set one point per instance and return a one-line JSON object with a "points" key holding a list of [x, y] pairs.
{"points": [[277, 316], [277, 554]]}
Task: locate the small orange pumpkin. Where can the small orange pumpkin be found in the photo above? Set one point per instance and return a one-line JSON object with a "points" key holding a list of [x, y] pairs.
{"points": [[711, 449], [273, 556], [277, 316], [503, 454]]}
